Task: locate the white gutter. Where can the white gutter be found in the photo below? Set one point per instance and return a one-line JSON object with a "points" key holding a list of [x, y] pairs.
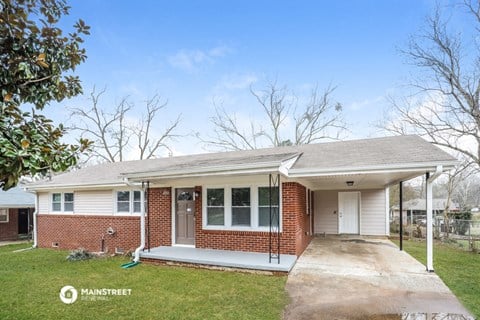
{"points": [[136, 257], [35, 231], [318, 172]]}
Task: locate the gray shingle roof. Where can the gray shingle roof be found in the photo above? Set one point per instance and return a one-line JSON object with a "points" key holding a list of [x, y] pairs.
{"points": [[16, 198], [376, 152]]}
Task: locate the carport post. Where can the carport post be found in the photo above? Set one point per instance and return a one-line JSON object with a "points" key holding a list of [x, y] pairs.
{"points": [[428, 183], [401, 214]]}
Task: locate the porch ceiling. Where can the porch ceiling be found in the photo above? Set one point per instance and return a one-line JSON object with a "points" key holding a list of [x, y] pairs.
{"points": [[360, 180]]}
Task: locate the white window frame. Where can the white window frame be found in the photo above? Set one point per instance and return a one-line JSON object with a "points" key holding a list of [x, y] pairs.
{"points": [[62, 202], [254, 218], [258, 205], [131, 202], [7, 214]]}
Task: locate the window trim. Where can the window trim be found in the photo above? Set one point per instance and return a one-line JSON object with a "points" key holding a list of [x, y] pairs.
{"points": [[258, 206], [131, 202], [62, 202], [7, 215], [254, 212]]}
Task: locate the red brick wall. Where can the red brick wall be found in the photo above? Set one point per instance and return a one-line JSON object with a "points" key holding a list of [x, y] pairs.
{"points": [[293, 239], [86, 231], [160, 211], [9, 230]]}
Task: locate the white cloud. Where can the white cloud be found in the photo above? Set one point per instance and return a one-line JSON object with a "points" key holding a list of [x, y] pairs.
{"points": [[357, 105], [236, 81], [191, 60]]}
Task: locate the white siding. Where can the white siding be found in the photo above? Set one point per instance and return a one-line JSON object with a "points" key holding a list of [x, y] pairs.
{"points": [[97, 202], [325, 209], [43, 202], [372, 212]]}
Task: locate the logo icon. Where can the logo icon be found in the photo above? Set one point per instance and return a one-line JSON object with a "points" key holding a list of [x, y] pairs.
{"points": [[68, 294]]}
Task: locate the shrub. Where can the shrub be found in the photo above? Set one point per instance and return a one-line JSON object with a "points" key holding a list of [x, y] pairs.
{"points": [[80, 254]]}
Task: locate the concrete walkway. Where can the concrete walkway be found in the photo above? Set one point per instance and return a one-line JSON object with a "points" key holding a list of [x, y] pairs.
{"points": [[354, 278]]}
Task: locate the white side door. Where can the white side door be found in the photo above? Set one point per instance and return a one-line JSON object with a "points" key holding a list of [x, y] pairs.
{"points": [[348, 212]]}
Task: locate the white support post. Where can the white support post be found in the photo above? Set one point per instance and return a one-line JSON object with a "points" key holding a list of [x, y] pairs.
{"points": [[429, 183], [387, 211]]}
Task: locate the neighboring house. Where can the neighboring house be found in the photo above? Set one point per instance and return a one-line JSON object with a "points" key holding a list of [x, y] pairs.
{"points": [[16, 210], [222, 200], [417, 209]]}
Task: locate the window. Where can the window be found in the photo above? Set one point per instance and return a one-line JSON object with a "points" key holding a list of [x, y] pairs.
{"points": [[216, 207], [264, 205], [129, 201], [68, 202], [241, 207], [57, 202], [62, 202], [3, 215]]}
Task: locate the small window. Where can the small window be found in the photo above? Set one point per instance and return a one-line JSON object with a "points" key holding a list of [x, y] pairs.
{"points": [[3, 215], [241, 207], [57, 202], [68, 202], [123, 201], [264, 206], [216, 207]]}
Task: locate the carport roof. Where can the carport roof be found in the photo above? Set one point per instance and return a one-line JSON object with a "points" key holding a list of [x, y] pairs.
{"points": [[388, 154]]}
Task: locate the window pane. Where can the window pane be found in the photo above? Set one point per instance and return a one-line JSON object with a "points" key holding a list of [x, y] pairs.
{"points": [[68, 197], [136, 196], [264, 196], [215, 216], [68, 206], [3, 215], [56, 207], [241, 197], [123, 196], [241, 216], [123, 206], [264, 216], [136, 206], [56, 197], [215, 197]]}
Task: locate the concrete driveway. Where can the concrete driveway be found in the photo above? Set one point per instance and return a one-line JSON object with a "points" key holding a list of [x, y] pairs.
{"points": [[355, 278]]}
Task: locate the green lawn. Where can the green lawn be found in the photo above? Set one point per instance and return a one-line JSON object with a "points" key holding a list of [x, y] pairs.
{"points": [[31, 282], [459, 270]]}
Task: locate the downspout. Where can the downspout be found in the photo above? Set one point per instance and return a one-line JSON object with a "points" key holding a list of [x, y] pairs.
{"points": [[35, 236], [136, 257]]}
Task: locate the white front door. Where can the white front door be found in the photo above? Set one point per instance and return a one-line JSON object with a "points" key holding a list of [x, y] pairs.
{"points": [[348, 212]]}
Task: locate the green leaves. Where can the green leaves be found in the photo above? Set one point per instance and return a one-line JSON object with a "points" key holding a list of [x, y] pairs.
{"points": [[36, 61]]}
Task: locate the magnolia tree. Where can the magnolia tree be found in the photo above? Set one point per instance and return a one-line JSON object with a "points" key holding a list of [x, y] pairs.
{"points": [[37, 60]]}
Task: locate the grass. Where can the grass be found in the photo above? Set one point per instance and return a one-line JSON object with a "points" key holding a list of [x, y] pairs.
{"points": [[31, 281], [459, 270]]}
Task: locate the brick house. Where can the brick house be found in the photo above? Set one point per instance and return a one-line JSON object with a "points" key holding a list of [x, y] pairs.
{"points": [[16, 214], [265, 201]]}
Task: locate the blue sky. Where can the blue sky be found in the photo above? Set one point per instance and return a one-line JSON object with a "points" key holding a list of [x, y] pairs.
{"points": [[191, 52]]}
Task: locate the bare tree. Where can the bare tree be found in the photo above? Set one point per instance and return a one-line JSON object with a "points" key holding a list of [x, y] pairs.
{"points": [[318, 119], [446, 105], [112, 132]]}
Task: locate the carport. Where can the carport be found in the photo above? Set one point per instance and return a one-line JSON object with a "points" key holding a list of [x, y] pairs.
{"points": [[353, 277]]}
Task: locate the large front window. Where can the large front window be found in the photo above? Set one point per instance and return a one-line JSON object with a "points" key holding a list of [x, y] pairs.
{"points": [[3, 215], [240, 207]]}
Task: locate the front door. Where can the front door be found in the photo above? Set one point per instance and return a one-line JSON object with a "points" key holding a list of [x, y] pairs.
{"points": [[23, 221], [185, 216], [348, 212]]}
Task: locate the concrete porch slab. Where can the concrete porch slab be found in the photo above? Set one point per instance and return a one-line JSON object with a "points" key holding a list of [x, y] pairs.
{"points": [[221, 258]]}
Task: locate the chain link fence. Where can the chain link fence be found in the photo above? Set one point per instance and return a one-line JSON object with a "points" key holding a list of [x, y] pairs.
{"points": [[462, 233]]}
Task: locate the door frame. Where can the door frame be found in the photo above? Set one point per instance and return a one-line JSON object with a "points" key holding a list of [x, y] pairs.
{"points": [[359, 215], [174, 220]]}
